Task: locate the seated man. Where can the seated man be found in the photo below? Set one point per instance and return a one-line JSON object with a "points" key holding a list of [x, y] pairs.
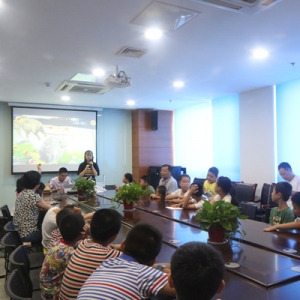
{"points": [[167, 179], [197, 272], [286, 172], [130, 276], [58, 183]]}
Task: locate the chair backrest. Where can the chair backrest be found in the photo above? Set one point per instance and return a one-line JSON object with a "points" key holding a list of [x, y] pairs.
{"points": [[199, 180], [5, 212], [3, 222], [17, 287], [10, 227], [266, 195], [8, 241], [19, 258], [248, 209], [245, 192]]}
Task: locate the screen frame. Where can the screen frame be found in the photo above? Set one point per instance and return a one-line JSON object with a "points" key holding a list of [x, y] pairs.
{"points": [[52, 109]]}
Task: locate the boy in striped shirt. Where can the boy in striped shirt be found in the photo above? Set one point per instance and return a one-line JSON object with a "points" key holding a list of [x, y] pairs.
{"points": [[91, 252], [130, 276]]}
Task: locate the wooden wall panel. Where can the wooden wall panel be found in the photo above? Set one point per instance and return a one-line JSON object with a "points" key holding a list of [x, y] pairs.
{"points": [[151, 147]]}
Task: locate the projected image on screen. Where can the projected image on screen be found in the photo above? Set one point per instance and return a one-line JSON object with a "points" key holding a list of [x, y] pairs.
{"points": [[53, 138]]}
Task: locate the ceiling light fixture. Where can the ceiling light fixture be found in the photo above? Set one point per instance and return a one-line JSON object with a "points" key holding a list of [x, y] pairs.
{"points": [[260, 53], [153, 33], [178, 84], [65, 98], [130, 102], [98, 72]]}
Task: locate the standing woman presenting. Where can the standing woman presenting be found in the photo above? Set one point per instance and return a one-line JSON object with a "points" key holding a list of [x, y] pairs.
{"points": [[88, 168]]}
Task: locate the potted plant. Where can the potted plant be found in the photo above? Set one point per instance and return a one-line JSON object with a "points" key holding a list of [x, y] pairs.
{"points": [[128, 194], [84, 187], [219, 219]]}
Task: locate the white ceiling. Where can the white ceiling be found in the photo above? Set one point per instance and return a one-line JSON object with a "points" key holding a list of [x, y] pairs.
{"points": [[45, 41]]}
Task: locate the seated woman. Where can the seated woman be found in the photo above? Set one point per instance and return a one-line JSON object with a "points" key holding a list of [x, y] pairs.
{"points": [[27, 208], [193, 198], [225, 191], [178, 195]]}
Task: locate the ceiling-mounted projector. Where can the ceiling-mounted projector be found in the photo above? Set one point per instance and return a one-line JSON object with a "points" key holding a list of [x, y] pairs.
{"points": [[121, 80]]}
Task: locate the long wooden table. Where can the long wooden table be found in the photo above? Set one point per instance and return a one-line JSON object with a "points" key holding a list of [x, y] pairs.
{"points": [[264, 271]]}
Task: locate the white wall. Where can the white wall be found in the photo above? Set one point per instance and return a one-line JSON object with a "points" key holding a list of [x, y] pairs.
{"points": [[114, 150], [193, 139], [257, 143]]}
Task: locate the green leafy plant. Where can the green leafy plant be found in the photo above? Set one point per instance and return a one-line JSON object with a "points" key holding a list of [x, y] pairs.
{"points": [[87, 186], [220, 214], [129, 193]]}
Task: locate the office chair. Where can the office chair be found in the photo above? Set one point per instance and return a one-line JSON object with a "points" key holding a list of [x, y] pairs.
{"points": [[19, 288], [20, 260], [6, 212], [245, 192]]}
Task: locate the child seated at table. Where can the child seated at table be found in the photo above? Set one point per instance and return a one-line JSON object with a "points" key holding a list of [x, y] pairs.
{"points": [[91, 252], [130, 276], [193, 198], [178, 195], [144, 183], [58, 255], [160, 193], [296, 210], [50, 221], [282, 214], [127, 180], [197, 272], [225, 191], [210, 182]]}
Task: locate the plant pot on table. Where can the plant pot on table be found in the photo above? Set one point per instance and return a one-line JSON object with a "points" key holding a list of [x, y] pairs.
{"points": [[128, 206], [216, 235]]}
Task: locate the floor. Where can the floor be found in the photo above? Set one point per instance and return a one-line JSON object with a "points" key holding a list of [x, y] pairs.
{"points": [[3, 296]]}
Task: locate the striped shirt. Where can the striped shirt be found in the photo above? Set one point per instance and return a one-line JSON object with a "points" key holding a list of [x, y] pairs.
{"points": [[55, 236], [123, 278], [86, 259]]}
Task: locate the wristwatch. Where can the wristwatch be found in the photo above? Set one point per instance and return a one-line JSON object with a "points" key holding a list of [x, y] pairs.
{"points": [[160, 267]]}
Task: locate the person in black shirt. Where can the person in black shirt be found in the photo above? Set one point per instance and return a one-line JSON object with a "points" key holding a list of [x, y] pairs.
{"points": [[88, 168]]}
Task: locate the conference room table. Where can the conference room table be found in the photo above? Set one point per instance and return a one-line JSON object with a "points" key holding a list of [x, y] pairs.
{"points": [[257, 267]]}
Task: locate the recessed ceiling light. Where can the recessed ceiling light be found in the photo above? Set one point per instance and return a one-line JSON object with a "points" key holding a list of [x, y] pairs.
{"points": [[130, 102], [99, 72], [153, 33], [178, 84], [260, 53], [65, 98]]}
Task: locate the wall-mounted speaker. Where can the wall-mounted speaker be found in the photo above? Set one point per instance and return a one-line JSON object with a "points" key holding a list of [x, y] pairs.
{"points": [[154, 119]]}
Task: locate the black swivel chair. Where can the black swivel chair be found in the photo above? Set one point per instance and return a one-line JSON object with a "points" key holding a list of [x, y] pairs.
{"points": [[20, 260], [266, 203], [6, 212], [9, 246], [18, 288], [36, 257], [245, 192]]}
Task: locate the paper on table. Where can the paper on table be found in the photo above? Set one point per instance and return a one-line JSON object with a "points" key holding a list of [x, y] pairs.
{"points": [[175, 208]]}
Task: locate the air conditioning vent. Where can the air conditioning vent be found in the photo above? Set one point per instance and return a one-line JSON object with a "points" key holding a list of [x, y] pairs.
{"points": [[131, 52], [82, 87], [252, 7]]}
